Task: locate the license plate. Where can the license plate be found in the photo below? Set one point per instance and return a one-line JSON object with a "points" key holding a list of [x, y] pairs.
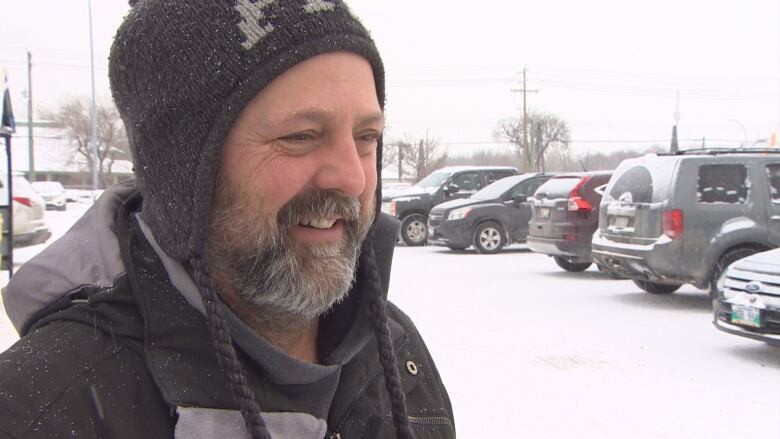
{"points": [[746, 315], [620, 221], [544, 212]]}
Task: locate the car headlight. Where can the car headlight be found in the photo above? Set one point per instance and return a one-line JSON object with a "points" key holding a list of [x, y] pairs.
{"points": [[388, 207], [459, 213]]}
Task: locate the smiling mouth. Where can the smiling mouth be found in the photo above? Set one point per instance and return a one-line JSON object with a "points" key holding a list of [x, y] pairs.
{"points": [[319, 223]]}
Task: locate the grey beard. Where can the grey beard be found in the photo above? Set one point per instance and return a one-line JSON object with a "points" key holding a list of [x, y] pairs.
{"points": [[269, 274]]}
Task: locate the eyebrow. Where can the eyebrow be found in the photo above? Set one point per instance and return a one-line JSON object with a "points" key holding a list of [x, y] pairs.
{"points": [[319, 115]]}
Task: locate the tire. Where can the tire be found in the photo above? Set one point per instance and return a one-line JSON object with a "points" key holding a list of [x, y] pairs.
{"points": [[414, 230], [457, 248], [723, 263], [574, 267], [655, 287], [489, 238]]}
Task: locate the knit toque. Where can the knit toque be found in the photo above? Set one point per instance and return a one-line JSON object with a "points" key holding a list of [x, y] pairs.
{"points": [[182, 71]]}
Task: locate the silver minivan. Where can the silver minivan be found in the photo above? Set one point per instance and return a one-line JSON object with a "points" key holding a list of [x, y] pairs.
{"points": [[667, 220]]}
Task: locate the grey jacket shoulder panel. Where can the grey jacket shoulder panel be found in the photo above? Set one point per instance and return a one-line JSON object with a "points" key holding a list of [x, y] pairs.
{"points": [[86, 256]]}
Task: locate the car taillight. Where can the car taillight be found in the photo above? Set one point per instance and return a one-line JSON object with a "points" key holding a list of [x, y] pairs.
{"points": [[23, 200], [576, 202], [672, 223], [569, 237]]}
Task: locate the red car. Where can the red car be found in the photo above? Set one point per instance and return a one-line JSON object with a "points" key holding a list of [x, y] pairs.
{"points": [[565, 215]]}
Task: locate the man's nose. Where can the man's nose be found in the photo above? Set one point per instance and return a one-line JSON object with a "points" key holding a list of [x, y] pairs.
{"points": [[342, 169]]}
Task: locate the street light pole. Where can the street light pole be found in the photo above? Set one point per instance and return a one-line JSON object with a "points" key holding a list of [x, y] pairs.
{"points": [[93, 111]]}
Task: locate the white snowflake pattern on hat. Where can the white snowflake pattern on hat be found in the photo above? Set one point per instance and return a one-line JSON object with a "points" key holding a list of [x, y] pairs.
{"points": [[252, 14]]}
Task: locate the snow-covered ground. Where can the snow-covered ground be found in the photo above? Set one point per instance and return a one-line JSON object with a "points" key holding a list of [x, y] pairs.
{"points": [[527, 350]]}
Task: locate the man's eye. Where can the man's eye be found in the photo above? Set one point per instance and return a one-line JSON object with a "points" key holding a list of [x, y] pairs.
{"points": [[299, 137], [369, 137]]}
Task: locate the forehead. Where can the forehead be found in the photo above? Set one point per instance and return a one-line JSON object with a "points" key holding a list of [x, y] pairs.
{"points": [[327, 84]]}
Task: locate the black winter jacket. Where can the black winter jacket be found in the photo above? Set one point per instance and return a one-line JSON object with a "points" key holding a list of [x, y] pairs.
{"points": [[120, 361]]}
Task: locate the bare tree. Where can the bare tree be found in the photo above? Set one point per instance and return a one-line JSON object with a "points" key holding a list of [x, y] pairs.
{"points": [[484, 157], [74, 118], [546, 132], [415, 158], [597, 161], [425, 157]]}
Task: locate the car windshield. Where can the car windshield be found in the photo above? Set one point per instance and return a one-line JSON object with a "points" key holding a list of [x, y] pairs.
{"points": [[497, 188], [434, 180], [558, 187]]}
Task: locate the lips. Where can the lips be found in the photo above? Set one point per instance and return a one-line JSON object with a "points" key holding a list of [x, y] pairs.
{"points": [[319, 223]]}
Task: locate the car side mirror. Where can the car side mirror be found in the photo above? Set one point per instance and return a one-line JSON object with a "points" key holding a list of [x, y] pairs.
{"points": [[518, 200], [451, 188]]}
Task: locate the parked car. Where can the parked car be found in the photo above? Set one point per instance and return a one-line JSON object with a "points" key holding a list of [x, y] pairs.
{"points": [[565, 215], [411, 206], [29, 227], [490, 219], [53, 194], [667, 220], [748, 302]]}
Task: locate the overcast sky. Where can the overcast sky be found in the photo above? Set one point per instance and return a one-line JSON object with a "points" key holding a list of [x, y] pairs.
{"points": [[611, 69]]}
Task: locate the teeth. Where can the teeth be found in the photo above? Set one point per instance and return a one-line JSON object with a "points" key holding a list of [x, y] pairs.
{"points": [[319, 223]]}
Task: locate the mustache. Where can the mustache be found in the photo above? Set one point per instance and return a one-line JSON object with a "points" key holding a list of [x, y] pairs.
{"points": [[314, 203]]}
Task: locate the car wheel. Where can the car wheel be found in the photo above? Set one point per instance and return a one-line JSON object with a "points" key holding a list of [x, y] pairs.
{"points": [[728, 258], [457, 248], [489, 238], [414, 230], [571, 266], [656, 287]]}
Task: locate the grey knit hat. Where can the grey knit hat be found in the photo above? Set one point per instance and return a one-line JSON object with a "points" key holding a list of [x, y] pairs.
{"points": [[182, 70]]}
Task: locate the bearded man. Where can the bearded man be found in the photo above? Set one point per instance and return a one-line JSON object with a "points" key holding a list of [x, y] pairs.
{"points": [[237, 288]]}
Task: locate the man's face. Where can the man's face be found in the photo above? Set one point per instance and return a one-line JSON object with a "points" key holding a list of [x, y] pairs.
{"points": [[295, 192]]}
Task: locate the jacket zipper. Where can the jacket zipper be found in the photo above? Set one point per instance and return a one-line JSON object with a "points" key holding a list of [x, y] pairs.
{"points": [[336, 434], [430, 420]]}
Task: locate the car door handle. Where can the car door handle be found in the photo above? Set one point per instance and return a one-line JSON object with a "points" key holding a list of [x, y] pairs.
{"points": [[775, 218]]}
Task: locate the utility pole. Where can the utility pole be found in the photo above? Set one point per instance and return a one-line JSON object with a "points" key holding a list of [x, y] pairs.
{"points": [[95, 152], [30, 120], [526, 151], [400, 161]]}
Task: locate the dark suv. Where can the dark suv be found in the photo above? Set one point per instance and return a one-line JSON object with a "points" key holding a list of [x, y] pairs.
{"points": [[667, 220], [490, 219], [565, 215], [412, 205]]}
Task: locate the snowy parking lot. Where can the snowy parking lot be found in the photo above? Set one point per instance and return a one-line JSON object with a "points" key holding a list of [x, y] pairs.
{"points": [[528, 350]]}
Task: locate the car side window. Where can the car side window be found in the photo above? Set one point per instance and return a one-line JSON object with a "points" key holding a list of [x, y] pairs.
{"points": [[773, 174], [722, 184], [467, 182], [496, 175], [527, 188]]}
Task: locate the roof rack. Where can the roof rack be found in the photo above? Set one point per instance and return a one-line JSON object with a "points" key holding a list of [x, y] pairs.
{"points": [[716, 151]]}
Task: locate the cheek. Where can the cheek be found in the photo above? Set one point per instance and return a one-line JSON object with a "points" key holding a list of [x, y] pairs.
{"points": [[274, 180]]}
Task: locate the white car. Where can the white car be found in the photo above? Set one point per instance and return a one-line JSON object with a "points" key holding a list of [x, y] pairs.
{"points": [[28, 207], [53, 194], [748, 302]]}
